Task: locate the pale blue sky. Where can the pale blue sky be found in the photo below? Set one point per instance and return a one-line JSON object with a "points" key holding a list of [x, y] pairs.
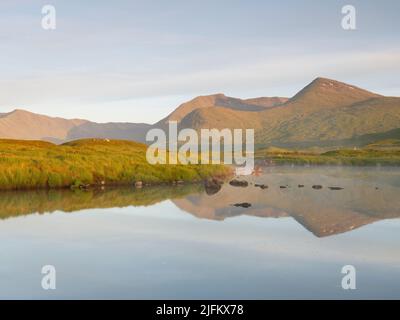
{"points": [[136, 61]]}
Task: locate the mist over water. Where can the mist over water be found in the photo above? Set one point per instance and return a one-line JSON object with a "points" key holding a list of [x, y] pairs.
{"points": [[188, 242]]}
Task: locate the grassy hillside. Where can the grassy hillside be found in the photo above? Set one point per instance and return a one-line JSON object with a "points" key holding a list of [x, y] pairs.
{"points": [[371, 155], [326, 113], [388, 144], [337, 125], [38, 164], [219, 103]]}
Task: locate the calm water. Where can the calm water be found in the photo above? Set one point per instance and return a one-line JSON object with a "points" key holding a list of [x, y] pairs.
{"points": [[182, 242]]}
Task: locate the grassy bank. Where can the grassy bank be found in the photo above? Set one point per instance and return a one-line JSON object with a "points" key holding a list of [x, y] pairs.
{"points": [[358, 157], [38, 164]]}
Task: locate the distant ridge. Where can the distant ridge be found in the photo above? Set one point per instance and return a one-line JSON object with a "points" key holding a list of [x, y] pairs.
{"points": [[324, 113], [222, 101], [22, 124]]}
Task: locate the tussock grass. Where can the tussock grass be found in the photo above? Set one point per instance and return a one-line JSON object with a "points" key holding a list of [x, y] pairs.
{"points": [[37, 164]]}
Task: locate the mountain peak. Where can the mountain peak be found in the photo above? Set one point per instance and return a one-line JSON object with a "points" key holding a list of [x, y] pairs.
{"points": [[17, 113], [206, 99], [324, 92], [337, 85], [320, 81], [17, 110]]}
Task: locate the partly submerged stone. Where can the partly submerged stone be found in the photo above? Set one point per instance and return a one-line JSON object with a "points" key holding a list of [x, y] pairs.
{"points": [[262, 186], [212, 186], [243, 205], [238, 183], [138, 184]]}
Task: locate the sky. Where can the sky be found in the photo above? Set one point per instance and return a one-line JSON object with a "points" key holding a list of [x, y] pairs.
{"points": [[136, 61]]}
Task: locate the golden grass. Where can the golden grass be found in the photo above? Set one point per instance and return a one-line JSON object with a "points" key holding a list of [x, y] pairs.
{"points": [[37, 164]]}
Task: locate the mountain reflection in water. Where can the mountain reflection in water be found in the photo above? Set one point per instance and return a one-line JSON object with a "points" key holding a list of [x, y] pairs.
{"points": [[368, 195]]}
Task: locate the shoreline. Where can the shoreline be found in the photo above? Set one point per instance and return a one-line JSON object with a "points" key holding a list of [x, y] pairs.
{"points": [[341, 157], [286, 162], [210, 181], [122, 184]]}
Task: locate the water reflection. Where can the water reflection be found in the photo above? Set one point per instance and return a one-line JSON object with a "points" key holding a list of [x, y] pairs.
{"points": [[368, 195]]}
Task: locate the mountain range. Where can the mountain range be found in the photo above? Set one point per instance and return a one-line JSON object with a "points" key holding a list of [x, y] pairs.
{"points": [[324, 113]]}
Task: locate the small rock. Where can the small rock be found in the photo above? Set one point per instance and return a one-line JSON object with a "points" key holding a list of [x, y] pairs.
{"points": [[239, 183], [335, 188], [138, 184], [262, 186], [301, 185], [243, 205], [283, 187], [317, 186]]}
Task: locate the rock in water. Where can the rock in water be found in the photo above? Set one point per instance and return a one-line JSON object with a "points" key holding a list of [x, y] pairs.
{"points": [[317, 186], [212, 186], [335, 188], [138, 184], [262, 186], [243, 205], [239, 183]]}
